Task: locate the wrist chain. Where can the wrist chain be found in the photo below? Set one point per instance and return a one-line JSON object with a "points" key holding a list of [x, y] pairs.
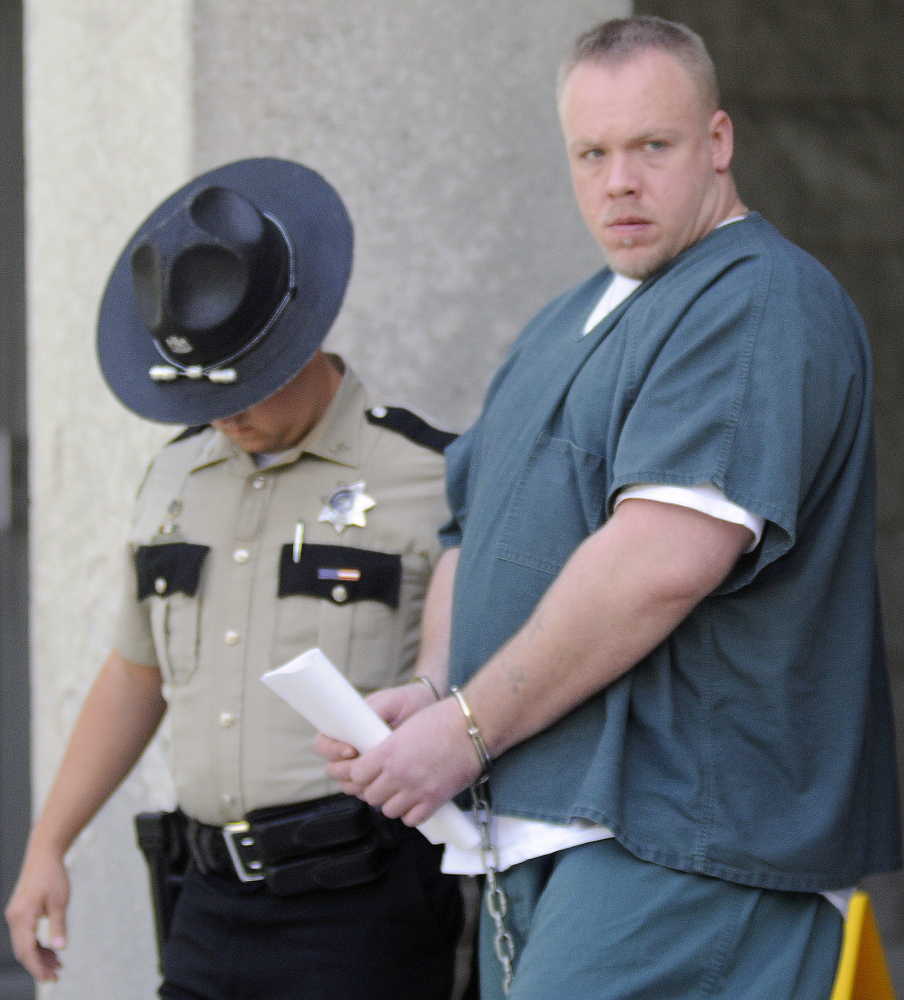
{"points": [[497, 903]]}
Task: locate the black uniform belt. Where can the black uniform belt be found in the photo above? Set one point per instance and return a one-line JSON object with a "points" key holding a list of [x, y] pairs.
{"points": [[330, 843]]}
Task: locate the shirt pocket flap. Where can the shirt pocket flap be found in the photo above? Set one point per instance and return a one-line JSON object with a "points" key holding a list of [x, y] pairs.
{"points": [[169, 569], [340, 572]]}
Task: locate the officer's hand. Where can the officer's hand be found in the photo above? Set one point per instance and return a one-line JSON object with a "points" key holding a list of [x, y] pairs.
{"points": [[424, 763], [393, 705], [42, 891]]}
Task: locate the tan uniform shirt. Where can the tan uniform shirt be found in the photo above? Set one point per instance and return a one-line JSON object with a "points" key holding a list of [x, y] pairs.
{"points": [[236, 745]]}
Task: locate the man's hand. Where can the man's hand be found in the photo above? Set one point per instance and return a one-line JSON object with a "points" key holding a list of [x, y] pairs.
{"points": [[436, 772], [423, 764], [42, 891], [622, 592], [393, 705]]}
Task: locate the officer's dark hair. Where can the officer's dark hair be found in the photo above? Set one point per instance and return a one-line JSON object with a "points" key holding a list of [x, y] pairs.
{"points": [[619, 40]]}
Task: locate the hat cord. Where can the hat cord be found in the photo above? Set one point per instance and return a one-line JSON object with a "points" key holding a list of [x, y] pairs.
{"points": [[219, 372]]}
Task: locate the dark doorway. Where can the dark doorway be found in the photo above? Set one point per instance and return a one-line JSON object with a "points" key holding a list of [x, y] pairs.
{"points": [[15, 806], [816, 94]]}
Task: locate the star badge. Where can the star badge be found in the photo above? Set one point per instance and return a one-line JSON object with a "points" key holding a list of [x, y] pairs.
{"points": [[346, 505]]}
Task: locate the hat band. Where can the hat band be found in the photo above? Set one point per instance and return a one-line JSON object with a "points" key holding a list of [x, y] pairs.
{"points": [[219, 372]]}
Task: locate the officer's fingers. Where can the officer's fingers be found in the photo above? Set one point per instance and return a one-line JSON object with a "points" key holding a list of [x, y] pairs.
{"points": [[42, 891], [41, 962], [25, 944], [56, 919], [47, 965], [395, 705], [49, 896]]}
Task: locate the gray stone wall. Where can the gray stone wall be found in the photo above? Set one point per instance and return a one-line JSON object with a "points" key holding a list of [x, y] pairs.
{"points": [[816, 93]]}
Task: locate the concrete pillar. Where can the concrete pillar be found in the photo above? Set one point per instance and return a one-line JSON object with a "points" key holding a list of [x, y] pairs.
{"points": [[109, 133], [437, 125]]}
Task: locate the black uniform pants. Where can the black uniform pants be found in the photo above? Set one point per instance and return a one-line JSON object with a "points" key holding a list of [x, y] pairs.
{"points": [[391, 939]]}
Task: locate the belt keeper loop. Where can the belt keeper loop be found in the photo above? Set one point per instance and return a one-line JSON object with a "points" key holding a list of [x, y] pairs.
{"points": [[192, 838], [425, 680], [483, 755]]}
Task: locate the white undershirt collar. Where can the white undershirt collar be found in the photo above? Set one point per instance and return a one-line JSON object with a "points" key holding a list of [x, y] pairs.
{"points": [[620, 287]]}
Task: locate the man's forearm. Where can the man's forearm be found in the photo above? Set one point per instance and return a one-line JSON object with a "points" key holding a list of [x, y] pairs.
{"points": [[120, 715], [436, 622], [620, 595]]}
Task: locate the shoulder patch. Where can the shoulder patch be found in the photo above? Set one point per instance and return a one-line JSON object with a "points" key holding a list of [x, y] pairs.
{"points": [[188, 433], [411, 426]]}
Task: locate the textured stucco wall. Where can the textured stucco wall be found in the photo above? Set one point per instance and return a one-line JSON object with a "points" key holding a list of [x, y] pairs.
{"points": [[108, 132], [437, 124]]}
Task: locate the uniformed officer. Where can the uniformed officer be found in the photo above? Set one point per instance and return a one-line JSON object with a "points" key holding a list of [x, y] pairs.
{"points": [[293, 513]]}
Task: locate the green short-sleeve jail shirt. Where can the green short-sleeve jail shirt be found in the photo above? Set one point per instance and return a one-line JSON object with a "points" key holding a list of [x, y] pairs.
{"points": [[755, 744]]}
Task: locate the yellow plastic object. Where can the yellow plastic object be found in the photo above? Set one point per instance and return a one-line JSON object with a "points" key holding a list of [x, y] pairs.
{"points": [[862, 972]]}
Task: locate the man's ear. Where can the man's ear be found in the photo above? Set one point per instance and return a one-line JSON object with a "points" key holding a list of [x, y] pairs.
{"points": [[721, 137]]}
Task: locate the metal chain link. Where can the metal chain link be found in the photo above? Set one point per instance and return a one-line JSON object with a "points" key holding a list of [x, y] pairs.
{"points": [[497, 903]]}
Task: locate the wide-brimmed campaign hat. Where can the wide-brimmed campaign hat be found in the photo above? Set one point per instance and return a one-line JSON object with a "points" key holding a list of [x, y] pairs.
{"points": [[225, 292]]}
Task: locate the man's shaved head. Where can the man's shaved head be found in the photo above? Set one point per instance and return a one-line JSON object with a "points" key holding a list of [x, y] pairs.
{"points": [[622, 39]]}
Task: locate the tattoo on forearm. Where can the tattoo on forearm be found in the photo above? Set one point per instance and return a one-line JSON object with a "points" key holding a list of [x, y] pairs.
{"points": [[516, 678], [535, 625]]}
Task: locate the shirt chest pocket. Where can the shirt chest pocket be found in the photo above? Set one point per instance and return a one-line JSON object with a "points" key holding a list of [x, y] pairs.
{"points": [[169, 576], [364, 615], [557, 502]]}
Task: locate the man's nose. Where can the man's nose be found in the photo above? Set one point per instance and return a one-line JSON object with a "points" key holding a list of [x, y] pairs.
{"points": [[621, 178]]}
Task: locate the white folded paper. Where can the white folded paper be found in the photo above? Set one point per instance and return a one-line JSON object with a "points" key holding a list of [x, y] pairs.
{"points": [[316, 690]]}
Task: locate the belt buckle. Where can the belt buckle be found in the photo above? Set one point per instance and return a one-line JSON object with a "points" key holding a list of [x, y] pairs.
{"points": [[240, 844]]}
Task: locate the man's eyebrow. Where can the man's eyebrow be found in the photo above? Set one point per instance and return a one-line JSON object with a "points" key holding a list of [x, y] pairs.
{"points": [[656, 133], [585, 144]]}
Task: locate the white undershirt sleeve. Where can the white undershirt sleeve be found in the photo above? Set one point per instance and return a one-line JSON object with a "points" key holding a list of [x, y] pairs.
{"points": [[703, 497]]}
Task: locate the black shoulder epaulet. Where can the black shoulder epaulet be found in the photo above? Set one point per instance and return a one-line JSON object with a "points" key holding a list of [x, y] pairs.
{"points": [[411, 426], [189, 432]]}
